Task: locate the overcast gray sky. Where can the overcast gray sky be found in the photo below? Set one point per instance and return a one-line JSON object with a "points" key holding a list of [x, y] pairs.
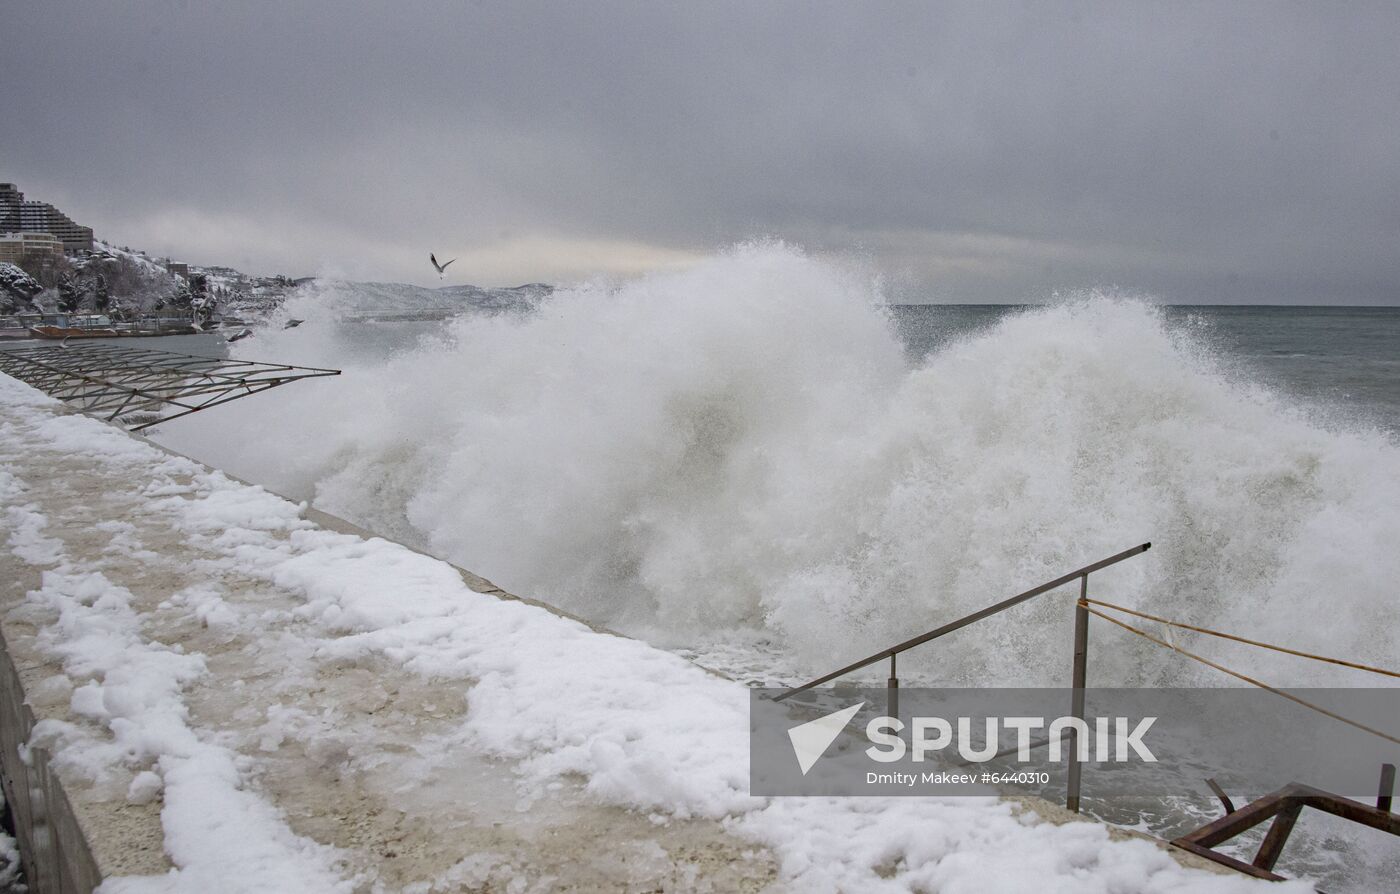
{"points": [[1213, 152]]}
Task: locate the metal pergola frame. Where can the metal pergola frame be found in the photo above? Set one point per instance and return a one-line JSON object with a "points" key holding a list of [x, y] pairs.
{"points": [[131, 385]]}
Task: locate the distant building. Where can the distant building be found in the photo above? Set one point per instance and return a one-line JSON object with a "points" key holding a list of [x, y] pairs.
{"points": [[18, 215], [41, 217], [178, 268], [14, 246], [10, 201]]}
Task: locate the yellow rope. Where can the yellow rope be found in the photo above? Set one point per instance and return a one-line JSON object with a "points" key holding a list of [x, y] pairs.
{"points": [[1251, 642], [1239, 676]]}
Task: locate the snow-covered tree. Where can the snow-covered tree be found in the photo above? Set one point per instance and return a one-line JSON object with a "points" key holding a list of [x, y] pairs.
{"points": [[46, 267], [17, 289], [201, 300], [70, 294]]}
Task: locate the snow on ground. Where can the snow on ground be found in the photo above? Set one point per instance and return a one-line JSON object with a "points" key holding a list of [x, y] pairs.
{"points": [[635, 727], [140, 259]]}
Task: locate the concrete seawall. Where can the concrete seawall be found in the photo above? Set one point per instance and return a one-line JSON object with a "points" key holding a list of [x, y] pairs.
{"points": [[55, 850]]}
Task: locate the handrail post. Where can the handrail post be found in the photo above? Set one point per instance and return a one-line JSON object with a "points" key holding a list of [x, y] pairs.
{"points": [[960, 623], [1081, 661], [892, 690]]}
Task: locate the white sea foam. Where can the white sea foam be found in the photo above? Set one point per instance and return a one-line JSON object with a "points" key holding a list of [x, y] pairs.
{"points": [[741, 450], [641, 728]]}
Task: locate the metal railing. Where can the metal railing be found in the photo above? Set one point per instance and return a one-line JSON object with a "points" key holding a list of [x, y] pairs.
{"points": [[142, 387], [1081, 653]]}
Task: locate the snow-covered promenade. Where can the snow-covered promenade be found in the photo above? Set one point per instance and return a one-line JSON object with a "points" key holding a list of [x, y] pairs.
{"points": [[236, 696]]}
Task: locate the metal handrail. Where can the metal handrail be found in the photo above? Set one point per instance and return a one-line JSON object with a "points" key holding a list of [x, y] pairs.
{"points": [[1081, 654], [969, 619]]}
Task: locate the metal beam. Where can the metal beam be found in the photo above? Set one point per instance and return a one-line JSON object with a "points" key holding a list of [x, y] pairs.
{"points": [[118, 383]]}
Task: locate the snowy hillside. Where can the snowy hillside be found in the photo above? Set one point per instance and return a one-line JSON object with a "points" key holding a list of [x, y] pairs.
{"points": [[138, 283]]}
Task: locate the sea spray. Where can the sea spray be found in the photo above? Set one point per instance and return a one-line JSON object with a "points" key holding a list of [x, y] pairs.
{"points": [[741, 451]]}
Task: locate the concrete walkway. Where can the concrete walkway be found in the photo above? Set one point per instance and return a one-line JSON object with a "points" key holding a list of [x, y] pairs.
{"points": [[339, 747]]}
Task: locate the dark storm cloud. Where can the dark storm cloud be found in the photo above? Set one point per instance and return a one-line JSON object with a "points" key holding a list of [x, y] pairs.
{"points": [[1211, 152]]}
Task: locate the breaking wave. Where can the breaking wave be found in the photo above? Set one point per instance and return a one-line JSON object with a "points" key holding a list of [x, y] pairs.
{"points": [[743, 451]]}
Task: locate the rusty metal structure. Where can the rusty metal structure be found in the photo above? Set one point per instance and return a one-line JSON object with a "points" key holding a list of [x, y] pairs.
{"points": [[1283, 807], [138, 387]]}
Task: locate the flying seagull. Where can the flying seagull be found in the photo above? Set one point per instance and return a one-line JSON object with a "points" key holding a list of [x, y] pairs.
{"points": [[242, 333], [292, 324], [440, 268]]}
